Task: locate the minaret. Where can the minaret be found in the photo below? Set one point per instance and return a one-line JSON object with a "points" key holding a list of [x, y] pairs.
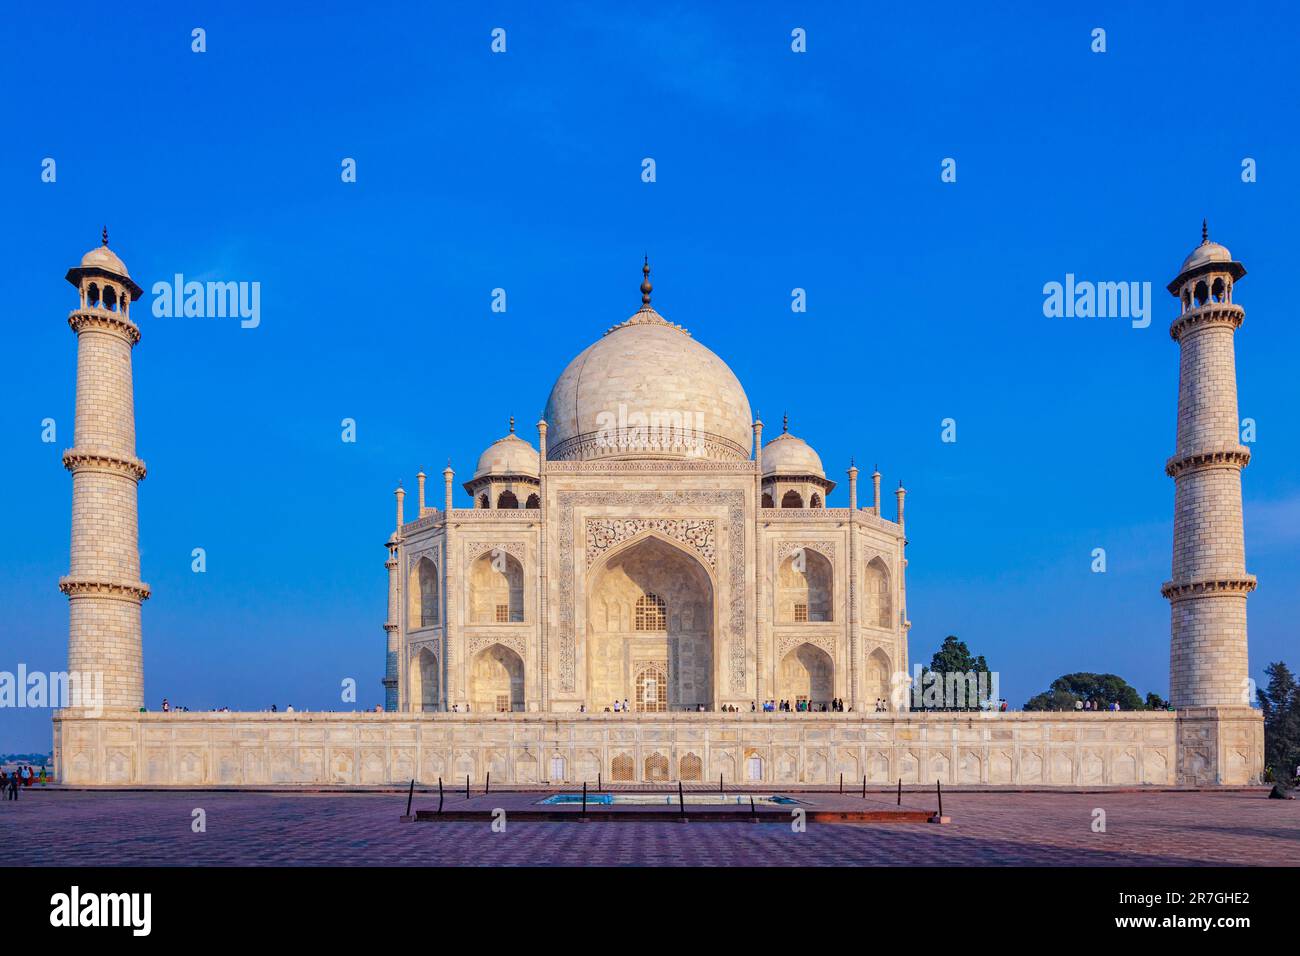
{"points": [[103, 585], [392, 623], [1207, 594], [392, 626]]}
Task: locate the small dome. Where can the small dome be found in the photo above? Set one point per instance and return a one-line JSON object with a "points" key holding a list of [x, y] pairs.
{"points": [[787, 455], [510, 455], [1205, 253], [102, 257]]}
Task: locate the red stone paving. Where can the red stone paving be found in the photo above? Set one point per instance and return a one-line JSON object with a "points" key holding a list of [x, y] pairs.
{"points": [[340, 829]]}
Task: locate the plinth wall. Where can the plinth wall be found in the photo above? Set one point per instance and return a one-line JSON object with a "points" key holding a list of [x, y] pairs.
{"points": [[1199, 747]]}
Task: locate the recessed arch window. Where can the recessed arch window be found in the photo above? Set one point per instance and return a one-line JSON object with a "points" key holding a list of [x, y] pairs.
{"points": [[816, 501], [507, 499], [652, 691], [651, 613], [533, 502], [767, 500], [792, 499]]}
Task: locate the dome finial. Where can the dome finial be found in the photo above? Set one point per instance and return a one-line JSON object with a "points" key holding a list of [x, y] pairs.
{"points": [[106, 235], [646, 287], [512, 424], [1205, 231]]}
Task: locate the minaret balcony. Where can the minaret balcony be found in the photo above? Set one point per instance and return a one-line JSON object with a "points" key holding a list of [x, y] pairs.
{"points": [[97, 317], [1206, 587], [1227, 314], [1225, 456], [82, 459]]}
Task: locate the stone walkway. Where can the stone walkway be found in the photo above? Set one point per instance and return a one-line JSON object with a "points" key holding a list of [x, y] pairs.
{"points": [[244, 828]]}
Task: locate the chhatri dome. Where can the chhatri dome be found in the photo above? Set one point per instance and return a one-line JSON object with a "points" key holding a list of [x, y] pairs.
{"points": [[509, 455], [1207, 252], [788, 455], [102, 262], [642, 372], [102, 257]]}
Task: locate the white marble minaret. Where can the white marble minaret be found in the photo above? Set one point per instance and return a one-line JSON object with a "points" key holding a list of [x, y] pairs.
{"points": [[103, 586], [1207, 593]]}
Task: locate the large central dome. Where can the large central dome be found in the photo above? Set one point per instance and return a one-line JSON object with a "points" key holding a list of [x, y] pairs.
{"points": [[648, 390]]}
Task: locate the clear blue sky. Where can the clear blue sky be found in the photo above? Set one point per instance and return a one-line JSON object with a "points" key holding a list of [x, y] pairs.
{"points": [[775, 170]]}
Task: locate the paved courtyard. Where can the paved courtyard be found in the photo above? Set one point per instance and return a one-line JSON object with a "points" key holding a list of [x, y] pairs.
{"points": [[339, 829]]}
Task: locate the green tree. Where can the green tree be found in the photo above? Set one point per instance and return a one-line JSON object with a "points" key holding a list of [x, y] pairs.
{"points": [[953, 658], [1156, 702], [1102, 689], [1281, 706]]}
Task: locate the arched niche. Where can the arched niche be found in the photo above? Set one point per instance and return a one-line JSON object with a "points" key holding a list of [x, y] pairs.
{"points": [[650, 628], [496, 681], [806, 673], [805, 588], [496, 588], [422, 594]]}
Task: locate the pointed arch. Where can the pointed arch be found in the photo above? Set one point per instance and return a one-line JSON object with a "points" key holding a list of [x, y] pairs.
{"points": [[650, 626], [424, 682], [792, 499], [880, 604], [496, 588], [507, 499], [815, 501], [806, 674], [496, 681], [805, 588], [878, 674], [533, 502], [422, 594]]}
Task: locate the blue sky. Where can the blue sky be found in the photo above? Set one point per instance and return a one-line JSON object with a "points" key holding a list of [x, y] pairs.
{"points": [[775, 170]]}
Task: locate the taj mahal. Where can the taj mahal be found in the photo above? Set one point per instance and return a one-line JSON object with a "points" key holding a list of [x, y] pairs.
{"points": [[632, 586], [649, 549]]}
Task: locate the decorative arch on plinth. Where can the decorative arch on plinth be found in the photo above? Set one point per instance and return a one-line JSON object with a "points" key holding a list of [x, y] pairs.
{"points": [[878, 677], [425, 682], [496, 680], [806, 673]]}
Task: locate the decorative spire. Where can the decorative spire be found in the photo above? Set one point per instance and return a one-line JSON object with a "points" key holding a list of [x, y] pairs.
{"points": [[106, 235], [785, 423], [512, 424], [646, 287], [1205, 231]]}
